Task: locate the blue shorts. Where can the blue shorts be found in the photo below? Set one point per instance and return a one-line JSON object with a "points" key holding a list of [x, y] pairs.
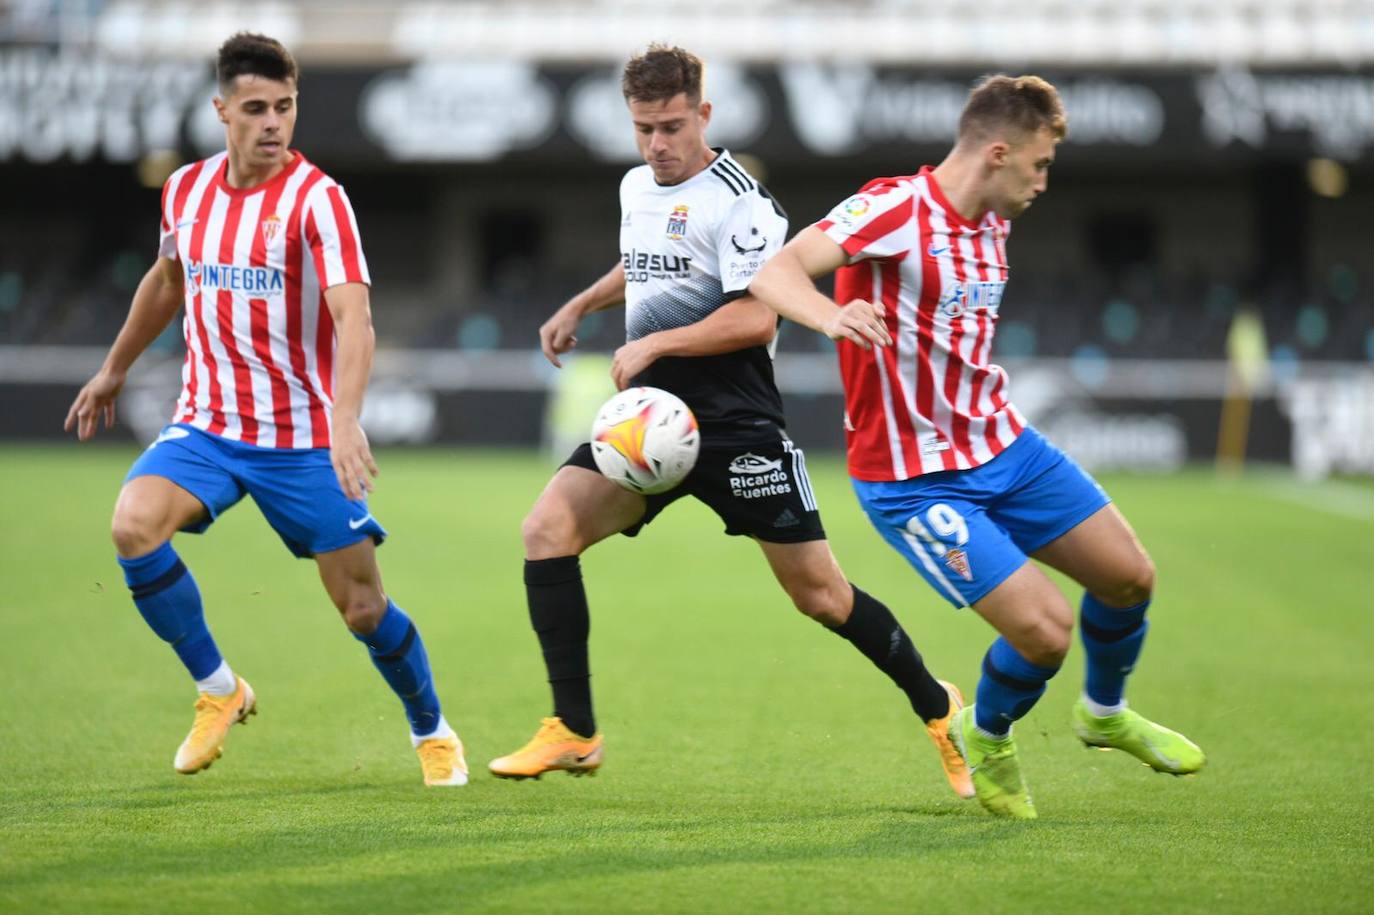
{"points": [[967, 531], [295, 488]]}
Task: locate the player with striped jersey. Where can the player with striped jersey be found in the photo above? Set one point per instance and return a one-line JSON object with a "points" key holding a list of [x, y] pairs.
{"points": [[947, 469], [695, 227], [262, 251]]}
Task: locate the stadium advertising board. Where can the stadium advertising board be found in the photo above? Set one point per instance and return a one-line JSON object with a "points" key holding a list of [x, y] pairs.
{"points": [[68, 107], [1320, 420]]}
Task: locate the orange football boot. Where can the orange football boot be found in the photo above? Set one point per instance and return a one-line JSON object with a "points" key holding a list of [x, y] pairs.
{"points": [[956, 770], [553, 747], [214, 716]]}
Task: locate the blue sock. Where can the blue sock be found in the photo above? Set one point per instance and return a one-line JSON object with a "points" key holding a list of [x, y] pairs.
{"points": [[167, 596], [399, 654], [1112, 639], [1008, 689]]}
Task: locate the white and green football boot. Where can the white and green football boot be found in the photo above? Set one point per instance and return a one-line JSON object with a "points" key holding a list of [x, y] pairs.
{"points": [[992, 763], [1155, 745]]}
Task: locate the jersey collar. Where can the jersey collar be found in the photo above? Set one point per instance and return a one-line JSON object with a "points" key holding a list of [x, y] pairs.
{"points": [[721, 153], [951, 214], [222, 180]]}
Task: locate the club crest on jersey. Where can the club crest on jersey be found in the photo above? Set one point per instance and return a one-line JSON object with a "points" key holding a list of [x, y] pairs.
{"points": [[957, 560], [677, 222], [271, 227]]}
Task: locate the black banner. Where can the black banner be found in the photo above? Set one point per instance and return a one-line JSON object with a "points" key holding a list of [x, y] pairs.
{"points": [[58, 107]]}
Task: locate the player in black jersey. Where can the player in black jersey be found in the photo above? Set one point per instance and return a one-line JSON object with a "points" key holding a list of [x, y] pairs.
{"points": [[695, 227]]}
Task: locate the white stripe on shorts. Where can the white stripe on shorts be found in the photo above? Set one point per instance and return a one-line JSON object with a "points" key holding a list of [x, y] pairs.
{"points": [[931, 566], [799, 472]]}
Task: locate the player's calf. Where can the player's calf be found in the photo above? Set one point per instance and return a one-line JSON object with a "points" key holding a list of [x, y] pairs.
{"points": [[1009, 688]]}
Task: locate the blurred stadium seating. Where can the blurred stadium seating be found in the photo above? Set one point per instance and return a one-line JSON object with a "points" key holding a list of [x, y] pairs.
{"points": [[1154, 32]]}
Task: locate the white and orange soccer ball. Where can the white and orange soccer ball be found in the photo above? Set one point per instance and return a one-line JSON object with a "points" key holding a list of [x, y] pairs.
{"points": [[646, 440]]}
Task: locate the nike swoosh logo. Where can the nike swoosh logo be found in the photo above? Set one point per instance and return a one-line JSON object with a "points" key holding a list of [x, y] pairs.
{"points": [[354, 525], [167, 435], [1160, 755], [187, 222], [936, 252]]}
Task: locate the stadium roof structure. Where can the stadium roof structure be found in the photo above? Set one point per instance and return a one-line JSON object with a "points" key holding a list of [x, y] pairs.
{"points": [[1004, 33]]}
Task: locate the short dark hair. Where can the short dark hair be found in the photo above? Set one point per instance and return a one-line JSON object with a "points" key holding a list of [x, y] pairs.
{"points": [[1023, 103], [251, 54], [660, 73]]}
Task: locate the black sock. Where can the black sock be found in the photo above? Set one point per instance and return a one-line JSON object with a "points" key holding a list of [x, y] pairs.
{"points": [[873, 630], [558, 612]]}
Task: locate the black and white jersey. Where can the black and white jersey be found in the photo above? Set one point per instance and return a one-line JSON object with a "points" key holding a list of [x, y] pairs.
{"points": [[688, 249]]}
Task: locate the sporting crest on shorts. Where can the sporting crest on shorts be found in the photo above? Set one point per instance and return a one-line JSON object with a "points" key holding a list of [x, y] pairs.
{"points": [[677, 222], [271, 227], [957, 560]]}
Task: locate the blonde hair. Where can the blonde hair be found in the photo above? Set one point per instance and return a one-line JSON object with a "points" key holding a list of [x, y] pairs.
{"points": [[1025, 104]]}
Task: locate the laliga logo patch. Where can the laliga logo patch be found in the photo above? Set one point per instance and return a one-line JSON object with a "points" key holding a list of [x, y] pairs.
{"points": [[856, 206], [957, 560], [677, 222], [852, 210], [271, 227]]}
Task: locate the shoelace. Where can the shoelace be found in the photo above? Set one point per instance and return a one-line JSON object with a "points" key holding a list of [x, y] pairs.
{"points": [[441, 760], [434, 752], [547, 734], [207, 709]]}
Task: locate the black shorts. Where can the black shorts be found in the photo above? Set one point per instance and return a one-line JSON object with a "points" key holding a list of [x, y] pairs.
{"points": [[758, 489]]}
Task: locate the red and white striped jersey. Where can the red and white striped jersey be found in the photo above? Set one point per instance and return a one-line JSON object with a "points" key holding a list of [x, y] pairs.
{"points": [[256, 262], [932, 401]]}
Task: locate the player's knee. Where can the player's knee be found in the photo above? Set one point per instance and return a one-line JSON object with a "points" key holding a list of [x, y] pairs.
{"points": [[824, 601], [1046, 643], [362, 612], [135, 530], [548, 533], [1134, 587]]}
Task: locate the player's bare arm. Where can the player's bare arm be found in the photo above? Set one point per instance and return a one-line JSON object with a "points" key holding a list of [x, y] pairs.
{"points": [[785, 285], [155, 303], [351, 310], [556, 336], [737, 325]]}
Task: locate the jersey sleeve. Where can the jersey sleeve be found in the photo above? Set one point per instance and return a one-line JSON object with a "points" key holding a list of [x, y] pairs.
{"points": [[331, 232], [873, 224], [167, 236], [753, 230]]}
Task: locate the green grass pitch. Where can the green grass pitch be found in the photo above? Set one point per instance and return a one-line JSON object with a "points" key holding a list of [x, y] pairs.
{"points": [[755, 763]]}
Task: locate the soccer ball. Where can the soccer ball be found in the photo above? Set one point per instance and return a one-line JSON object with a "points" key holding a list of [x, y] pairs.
{"points": [[645, 439]]}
